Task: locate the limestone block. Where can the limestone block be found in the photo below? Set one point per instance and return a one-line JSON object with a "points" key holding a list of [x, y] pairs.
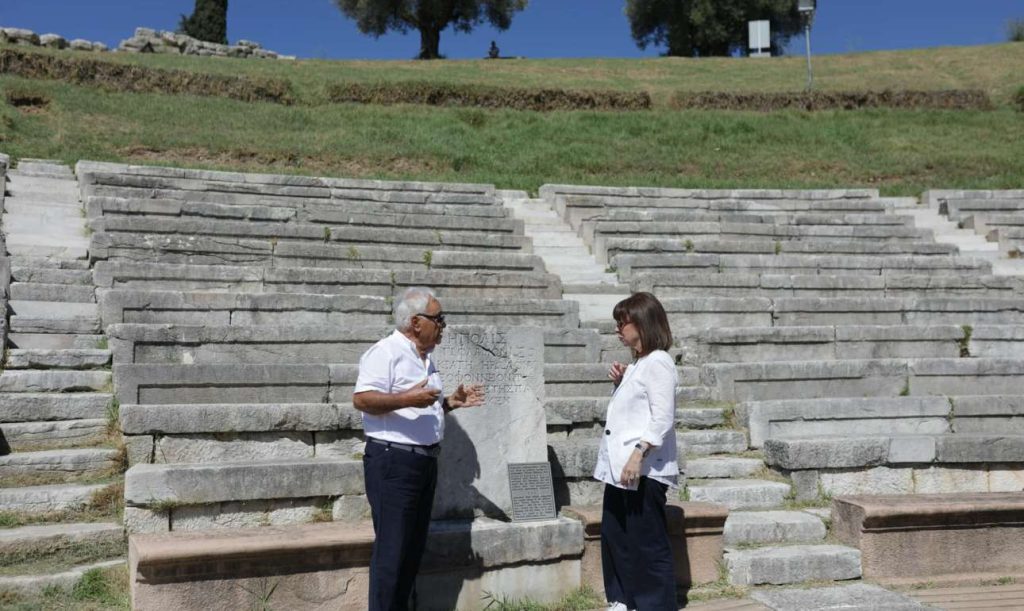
{"points": [[760, 527], [806, 484], [792, 564], [940, 479], [583, 491], [147, 485], [350, 508], [969, 448], [339, 444], [826, 452], [574, 456], [232, 447], [722, 467], [571, 410], [911, 449], [739, 493], [237, 418], [989, 414], [877, 480], [140, 449], [845, 416], [245, 514], [856, 596], [138, 520], [1006, 478], [173, 384]]}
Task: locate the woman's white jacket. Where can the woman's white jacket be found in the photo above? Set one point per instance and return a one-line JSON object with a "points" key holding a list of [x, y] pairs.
{"points": [[642, 408]]}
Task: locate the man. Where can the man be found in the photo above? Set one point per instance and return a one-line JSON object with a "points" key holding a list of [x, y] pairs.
{"points": [[399, 393]]}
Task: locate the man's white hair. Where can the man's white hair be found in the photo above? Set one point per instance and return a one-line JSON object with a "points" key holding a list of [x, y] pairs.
{"points": [[414, 301]]}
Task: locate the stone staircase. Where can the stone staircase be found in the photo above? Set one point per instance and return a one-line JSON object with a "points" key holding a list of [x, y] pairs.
{"points": [[60, 476]]}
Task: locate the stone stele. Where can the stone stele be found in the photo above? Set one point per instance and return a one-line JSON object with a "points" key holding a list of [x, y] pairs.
{"points": [[509, 427]]}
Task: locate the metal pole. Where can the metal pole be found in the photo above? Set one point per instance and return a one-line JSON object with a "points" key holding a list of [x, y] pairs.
{"points": [[807, 38]]}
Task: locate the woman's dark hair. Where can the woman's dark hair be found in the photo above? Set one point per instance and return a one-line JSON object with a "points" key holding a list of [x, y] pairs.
{"points": [[646, 312]]}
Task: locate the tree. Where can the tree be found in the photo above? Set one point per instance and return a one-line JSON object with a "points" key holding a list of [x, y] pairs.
{"points": [[701, 28], [430, 17], [209, 21]]}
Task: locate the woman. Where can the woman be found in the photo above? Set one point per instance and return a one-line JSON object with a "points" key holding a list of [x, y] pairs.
{"points": [[637, 462]]}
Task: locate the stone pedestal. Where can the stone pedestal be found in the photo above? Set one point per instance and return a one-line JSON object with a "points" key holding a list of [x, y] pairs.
{"points": [[695, 529], [928, 535]]}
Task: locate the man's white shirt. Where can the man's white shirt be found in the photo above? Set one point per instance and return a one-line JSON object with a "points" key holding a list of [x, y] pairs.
{"points": [[393, 365]]}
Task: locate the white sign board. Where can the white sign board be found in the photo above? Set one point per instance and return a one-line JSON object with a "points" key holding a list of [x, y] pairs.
{"points": [[760, 35]]}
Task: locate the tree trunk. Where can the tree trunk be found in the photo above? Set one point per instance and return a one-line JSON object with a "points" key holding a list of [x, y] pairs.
{"points": [[430, 43]]}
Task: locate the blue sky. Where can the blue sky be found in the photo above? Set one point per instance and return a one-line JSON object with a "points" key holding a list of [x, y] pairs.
{"points": [[547, 28]]}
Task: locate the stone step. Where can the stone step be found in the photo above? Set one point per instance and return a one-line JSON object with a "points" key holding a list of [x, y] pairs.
{"points": [[31, 291], [857, 596], [49, 263], [591, 379], [864, 378], [53, 309], [740, 493], [45, 168], [792, 564], [194, 484], [703, 443], [32, 543], [54, 224], [701, 417], [29, 585], [51, 462], [61, 326], [48, 275], [42, 407], [54, 434], [65, 381], [46, 499], [720, 467], [763, 527], [55, 341], [81, 358], [37, 246]]}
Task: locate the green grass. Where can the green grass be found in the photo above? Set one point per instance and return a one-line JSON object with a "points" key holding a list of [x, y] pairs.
{"points": [[97, 590], [582, 599], [899, 152]]}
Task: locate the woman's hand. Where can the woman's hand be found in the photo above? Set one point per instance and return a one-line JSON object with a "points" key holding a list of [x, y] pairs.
{"points": [[615, 372], [631, 472]]}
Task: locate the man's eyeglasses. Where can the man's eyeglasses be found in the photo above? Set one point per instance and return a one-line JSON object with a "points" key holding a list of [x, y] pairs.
{"points": [[437, 319]]}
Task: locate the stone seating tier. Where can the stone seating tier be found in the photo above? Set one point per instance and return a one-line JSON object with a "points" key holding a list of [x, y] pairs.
{"points": [[611, 249], [357, 235], [767, 284], [982, 224], [959, 209], [934, 535], [590, 226], [853, 416], [606, 230], [270, 252], [318, 280], [795, 264], [899, 464], [211, 344], [298, 309], [263, 217], [302, 212], [863, 378], [102, 173]]}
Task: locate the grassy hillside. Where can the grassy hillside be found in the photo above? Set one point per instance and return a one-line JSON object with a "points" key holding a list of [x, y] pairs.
{"points": [[901, 152]]}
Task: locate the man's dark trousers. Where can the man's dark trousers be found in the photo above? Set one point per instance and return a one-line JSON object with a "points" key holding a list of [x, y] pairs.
{"points": [[400, 488]]}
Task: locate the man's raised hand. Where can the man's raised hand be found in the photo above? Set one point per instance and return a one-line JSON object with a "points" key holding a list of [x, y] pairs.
{"points": [[467, 396]]}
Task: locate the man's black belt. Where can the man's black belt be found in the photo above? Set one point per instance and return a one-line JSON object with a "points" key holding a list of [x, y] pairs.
{"points": [[432, 450]]}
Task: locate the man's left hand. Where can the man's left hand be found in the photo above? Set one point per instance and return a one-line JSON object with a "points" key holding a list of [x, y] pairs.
{"points": [[467, 396]]}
